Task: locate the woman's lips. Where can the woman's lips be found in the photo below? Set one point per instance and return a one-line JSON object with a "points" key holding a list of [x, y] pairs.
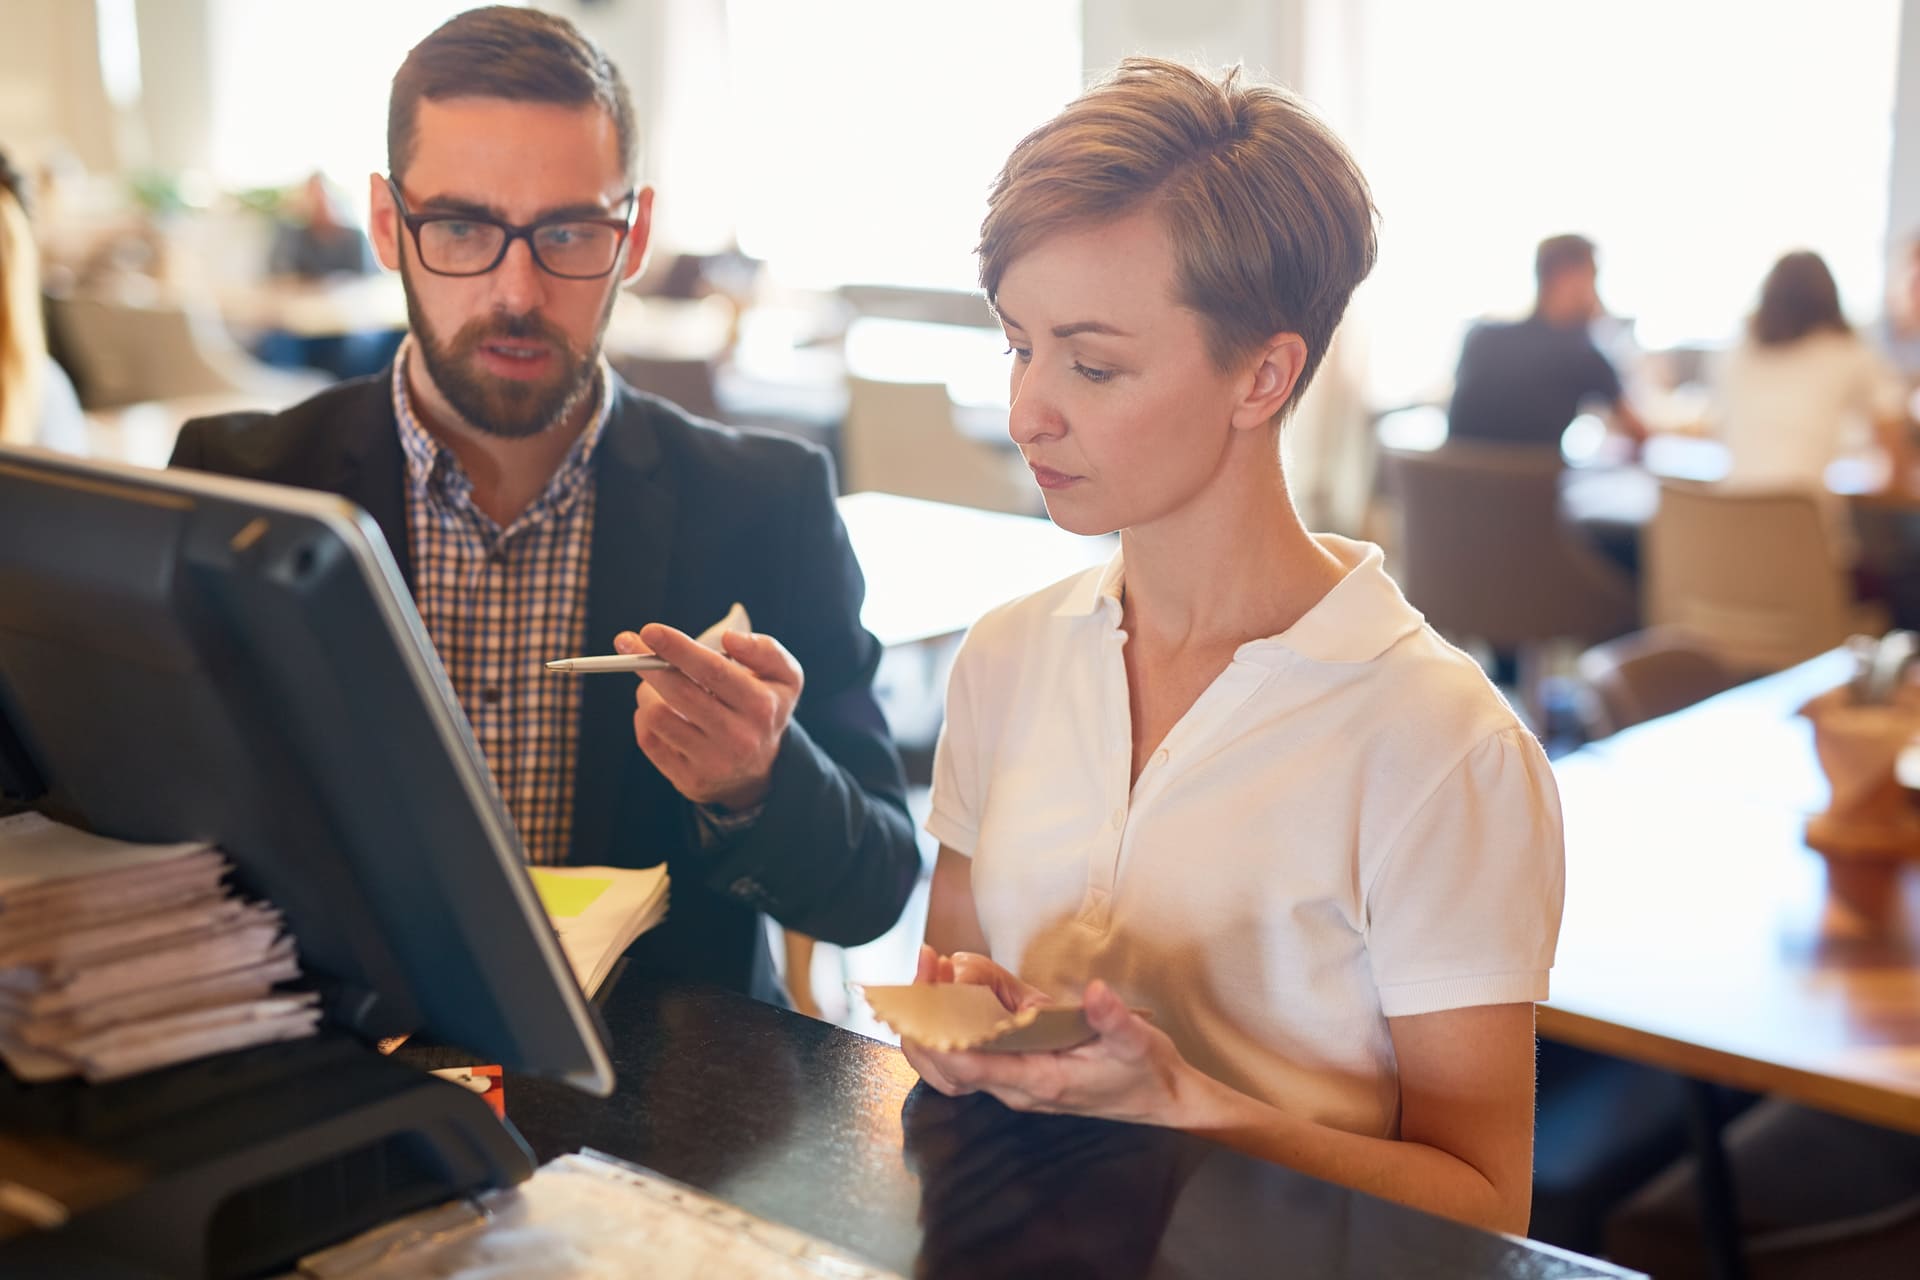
{"points": [[1048, 478]]}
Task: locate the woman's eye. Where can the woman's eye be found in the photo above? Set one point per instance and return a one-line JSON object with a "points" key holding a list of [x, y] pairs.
{"points": [[1025, 353], [1091, 374]]}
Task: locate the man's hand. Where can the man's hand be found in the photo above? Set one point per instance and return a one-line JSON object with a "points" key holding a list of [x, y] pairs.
{"points": [[711, 725]]}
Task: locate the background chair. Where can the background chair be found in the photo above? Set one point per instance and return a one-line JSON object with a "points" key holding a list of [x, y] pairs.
{"points": [[686, 381], [1649, 673], [1754, 576], [1483, 553], [127, 352], [900, 437], [908, 302]]}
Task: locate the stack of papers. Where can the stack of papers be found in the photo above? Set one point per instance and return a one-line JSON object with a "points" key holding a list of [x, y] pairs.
{"points": [[117, 958], [598, 912]]}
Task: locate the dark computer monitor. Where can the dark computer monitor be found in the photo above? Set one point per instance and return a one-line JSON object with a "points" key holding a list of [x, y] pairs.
{"points": [[186, 656]]}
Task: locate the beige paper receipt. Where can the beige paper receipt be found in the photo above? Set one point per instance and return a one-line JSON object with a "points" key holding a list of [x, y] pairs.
{"points": [[950, 1016]]}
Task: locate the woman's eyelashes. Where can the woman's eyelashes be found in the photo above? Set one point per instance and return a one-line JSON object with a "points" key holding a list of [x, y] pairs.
{"points": [[1087, 371]]}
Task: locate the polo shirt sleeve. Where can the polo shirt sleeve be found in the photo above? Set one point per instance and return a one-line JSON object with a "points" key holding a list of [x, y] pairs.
{"points": [[1465, 908], [959, 776]]}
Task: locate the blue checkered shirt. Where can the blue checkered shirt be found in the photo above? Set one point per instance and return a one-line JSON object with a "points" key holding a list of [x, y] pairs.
{"points": [[498, 604]]}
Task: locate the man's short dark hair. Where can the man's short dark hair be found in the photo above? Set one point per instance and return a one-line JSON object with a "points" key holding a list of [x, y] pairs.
{"points": [[1560, 253], [521, 55]]}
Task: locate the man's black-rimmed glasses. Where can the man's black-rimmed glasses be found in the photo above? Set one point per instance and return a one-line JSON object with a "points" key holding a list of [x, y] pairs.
{"points": [[461, 244]]}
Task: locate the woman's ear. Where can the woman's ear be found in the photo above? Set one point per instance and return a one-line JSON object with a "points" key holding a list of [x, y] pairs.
{"points": [[1275, 372]]}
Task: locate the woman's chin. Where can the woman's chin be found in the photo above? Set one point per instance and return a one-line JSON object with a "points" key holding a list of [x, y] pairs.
{"points": [[1076, 517]]}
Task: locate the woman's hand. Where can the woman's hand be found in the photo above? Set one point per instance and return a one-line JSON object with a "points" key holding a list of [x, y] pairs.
{"points": [[975, 970], [1130, 1072]]}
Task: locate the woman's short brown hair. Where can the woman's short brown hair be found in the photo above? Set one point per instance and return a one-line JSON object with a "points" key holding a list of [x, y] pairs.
{"points": [[521, 55], [1271, 221]]}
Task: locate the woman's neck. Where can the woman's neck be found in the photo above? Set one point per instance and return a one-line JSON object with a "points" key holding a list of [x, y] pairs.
{"points": [[1233, 565]]}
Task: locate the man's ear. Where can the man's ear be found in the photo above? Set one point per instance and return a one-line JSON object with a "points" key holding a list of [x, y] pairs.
{"points": [[638, 238], [1274, 374], [383, 222]]}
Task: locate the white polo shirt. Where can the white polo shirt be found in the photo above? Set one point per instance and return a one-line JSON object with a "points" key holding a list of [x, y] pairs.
{"points": [[1348, 825]]}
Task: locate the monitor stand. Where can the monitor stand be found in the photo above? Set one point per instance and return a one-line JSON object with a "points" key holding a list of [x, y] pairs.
{"points": [[239, 1164]]}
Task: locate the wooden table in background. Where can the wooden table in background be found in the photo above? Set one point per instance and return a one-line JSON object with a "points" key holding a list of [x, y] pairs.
{"points": [[933, 568], [1702, 936]]}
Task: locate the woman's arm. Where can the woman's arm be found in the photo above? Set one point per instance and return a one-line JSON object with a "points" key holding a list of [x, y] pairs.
{"points": [[1465, 1149], [1466, 1121], [952, 923]]}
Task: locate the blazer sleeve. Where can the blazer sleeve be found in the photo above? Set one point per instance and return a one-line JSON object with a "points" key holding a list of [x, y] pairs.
{"points": [[833, 853]]}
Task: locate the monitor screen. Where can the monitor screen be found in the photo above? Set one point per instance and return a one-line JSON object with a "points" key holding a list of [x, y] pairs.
{"points": [[185, 656]]}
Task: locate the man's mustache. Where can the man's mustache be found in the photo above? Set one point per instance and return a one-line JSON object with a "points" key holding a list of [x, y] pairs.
{"points": [[509, 328]]}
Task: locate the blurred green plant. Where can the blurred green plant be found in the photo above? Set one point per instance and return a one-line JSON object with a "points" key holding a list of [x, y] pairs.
{"points": [[269, 202], [156, 192]]}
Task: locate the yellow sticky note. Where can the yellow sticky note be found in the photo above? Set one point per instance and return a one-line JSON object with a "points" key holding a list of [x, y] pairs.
{"points": [[565, 896]]}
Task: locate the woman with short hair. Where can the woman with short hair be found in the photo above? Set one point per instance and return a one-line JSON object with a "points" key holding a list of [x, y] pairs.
{"points": [[1231, 779]]}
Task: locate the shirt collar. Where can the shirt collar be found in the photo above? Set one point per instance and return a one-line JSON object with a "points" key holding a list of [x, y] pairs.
{"points": [[424, 454], [1362, 617]]}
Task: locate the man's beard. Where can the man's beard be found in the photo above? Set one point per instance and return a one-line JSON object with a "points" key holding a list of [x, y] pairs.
{"points": [[512, 409]]}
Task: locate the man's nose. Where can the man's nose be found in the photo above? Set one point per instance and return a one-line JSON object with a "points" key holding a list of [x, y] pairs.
{"points": [[519, 285]]}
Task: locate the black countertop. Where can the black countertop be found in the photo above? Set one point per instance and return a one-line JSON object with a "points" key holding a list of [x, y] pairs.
{"points": [[824, 1130]]}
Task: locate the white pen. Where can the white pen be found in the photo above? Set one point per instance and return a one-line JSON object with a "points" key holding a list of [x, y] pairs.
{"points": [[735, 621], [612, 662]]}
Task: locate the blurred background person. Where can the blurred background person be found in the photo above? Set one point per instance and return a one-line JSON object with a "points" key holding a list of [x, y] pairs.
{"points": [[317, 243], [37, 401], [319, 239], [1802, 388], [1522, 382], [1900, 330]]}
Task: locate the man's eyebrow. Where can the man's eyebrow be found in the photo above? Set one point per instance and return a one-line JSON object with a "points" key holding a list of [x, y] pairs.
{"points": [[481, 209]]}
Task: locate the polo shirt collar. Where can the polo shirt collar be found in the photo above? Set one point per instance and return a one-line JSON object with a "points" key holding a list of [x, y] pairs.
{"points": [[1362, 617], [1089, 589]]}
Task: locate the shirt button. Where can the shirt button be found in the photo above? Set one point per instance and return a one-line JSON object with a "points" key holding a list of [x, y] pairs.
{"points": [[491, 695], [1160, 756], [497, 556], [1119, 818]]}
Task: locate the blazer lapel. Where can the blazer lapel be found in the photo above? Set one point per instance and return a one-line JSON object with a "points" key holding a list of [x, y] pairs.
{"points": [[632, 546], [371, 468]]}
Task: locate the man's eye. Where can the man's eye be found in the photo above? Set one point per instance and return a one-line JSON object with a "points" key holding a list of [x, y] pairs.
{"points": [[457, 230]]}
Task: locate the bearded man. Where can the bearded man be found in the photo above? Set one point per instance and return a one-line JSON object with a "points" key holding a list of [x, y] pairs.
{"points": [[538, 508]]}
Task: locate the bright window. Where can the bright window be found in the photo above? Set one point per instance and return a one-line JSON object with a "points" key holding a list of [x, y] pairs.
{"points": [[1693, 142], [867, 132], [299, 86]]}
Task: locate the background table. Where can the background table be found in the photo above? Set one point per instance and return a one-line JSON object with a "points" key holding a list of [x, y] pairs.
{"points": [[821, 1129], [1701, 935], [933, 568]]}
